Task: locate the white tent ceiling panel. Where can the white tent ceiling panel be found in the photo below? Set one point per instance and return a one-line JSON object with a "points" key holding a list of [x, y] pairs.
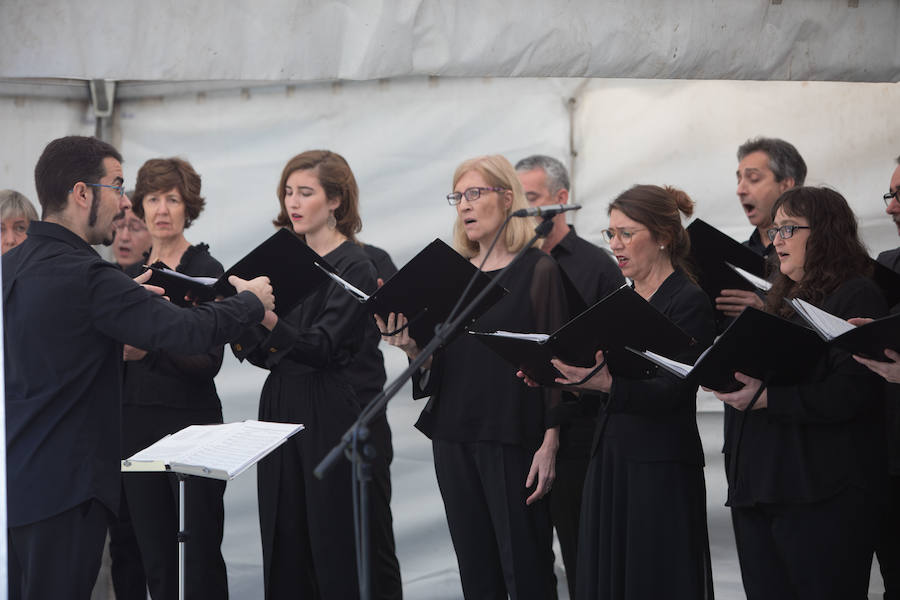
{"points": [[278, 40]]}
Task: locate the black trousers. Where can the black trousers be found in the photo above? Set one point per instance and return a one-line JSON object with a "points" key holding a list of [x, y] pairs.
{"points": [[565, 499], [58, 557], [503, 547], [127, 570], [887, 547], [385, 568], [817, 551]]}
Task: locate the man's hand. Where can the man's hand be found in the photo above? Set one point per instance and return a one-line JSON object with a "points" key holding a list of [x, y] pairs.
{"points": [[259, 287], [132, 353], [143, 278], [733, 302]]}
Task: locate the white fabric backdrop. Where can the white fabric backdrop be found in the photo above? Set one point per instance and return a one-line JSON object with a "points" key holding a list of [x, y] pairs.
{"points": [[173, 40], [403, 139]]}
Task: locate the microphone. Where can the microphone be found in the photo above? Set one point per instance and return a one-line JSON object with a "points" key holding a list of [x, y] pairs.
{"points": [[547, 210]]}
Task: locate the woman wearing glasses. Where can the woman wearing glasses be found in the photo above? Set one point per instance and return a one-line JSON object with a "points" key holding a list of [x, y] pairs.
{"points": [[306, 523], [165, 392], [16, 213], [494, 440], [808, 459], [643, 518]]}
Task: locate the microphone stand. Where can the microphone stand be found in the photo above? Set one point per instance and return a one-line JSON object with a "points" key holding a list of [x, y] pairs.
{"points": [[355, 445]]}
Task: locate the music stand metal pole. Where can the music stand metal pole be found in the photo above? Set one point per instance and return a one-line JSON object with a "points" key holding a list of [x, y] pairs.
{"points": [[182, 534]]}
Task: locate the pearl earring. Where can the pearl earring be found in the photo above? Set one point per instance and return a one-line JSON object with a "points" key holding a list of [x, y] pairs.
{"points": [[662, 247]]}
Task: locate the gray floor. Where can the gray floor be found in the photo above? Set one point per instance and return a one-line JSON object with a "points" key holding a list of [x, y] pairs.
{"points": [[426, 556]]}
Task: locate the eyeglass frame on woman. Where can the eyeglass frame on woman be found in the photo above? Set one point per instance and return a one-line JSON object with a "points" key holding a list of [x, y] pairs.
{"points": [[132, 226], [785, 231], [472, 194], [889, 197], [623, 234]]}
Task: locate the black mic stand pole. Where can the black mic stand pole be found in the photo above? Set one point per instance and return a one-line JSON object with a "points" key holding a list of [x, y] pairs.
{"points": [[349, 444]]}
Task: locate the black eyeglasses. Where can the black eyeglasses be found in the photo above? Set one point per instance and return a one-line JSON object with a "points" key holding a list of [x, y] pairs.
{"points": [[786, 231], [471, 194], [890, 196], [118, 188]]}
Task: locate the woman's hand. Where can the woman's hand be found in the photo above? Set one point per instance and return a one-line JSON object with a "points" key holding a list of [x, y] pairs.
{"points": [[543, 466], [400, 339], [889, 370], [741, 398], [601, 381]]}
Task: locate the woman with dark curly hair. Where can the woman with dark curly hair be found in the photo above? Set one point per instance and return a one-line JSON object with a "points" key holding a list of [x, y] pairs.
{"points": [[165, 392], [806, 463], [643, 512]]}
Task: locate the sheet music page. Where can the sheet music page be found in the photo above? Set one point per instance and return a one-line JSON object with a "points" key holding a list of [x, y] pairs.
{"points": [[203, 280], [230, 447], [533, 337], [673, 365], [828, 325], [758, 282]]}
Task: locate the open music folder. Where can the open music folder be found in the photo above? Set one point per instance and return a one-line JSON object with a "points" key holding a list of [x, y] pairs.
{"points": [[719, 259], [868, 341], [217, 451], [426, 289], [758, 344], [294, 269], [622, 318]]}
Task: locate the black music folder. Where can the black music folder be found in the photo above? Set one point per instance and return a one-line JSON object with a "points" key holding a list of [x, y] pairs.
{"points": [[294, 269], [756, 343], [712, 252], [427, 288], [868, 341], [621, 319], [888, 280]]}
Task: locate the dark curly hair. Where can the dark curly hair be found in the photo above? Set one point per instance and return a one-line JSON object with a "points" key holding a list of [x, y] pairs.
{"points": [[834, 252]]}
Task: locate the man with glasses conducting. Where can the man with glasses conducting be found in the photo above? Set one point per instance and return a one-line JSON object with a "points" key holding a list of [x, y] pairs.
{"points": [[66, 313]]}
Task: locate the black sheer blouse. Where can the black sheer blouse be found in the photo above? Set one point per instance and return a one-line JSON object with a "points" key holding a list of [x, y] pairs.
{"points": [[475, 394]]}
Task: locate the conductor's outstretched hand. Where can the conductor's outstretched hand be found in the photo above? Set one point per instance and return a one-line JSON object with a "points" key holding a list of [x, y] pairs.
{"points": [[259, 287]]}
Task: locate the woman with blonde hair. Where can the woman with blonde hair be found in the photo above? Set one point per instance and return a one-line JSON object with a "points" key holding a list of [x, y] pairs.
{"points": [[494, 440]]}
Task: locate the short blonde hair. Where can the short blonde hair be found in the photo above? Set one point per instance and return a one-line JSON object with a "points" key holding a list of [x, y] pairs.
{"points": [[14, 204], [497, 172]]}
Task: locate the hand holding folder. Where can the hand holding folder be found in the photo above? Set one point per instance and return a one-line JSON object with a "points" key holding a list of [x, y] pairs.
{"points": [[619, 320], [293, 268], [427, 288]]}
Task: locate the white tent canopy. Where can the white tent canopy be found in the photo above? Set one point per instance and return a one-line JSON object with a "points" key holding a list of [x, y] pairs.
{"points": [[623, 91], [307, 40]]}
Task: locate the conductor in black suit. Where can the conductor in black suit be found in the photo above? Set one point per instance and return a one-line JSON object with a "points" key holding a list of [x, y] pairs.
{"points": [[594, 275], [66, 313]]}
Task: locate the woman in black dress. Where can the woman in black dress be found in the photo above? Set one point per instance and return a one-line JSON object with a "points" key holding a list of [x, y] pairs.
{"points": [[165, 392], [807, 463], [643, 517], [494, 440], [306, 523]]}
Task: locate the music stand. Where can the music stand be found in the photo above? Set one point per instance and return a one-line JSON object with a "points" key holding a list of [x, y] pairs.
{"points": [[215, 451]]}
